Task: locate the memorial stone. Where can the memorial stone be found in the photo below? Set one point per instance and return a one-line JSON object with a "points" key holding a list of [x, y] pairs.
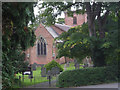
{"points": [[43, 72], [67, 64], [34, 66]]}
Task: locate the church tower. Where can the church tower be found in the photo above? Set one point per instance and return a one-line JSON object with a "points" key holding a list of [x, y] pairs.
{"points": [[77, 19]]}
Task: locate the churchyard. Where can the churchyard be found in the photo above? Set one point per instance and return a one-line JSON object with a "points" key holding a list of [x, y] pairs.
{"points": [[37, 75]]}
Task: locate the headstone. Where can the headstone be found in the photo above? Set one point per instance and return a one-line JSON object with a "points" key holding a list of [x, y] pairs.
{"points": [[49, 73], [55, 71], [42, 65], [65, 67], [34, 66], [77, 66], [67, 64], [52, 71], [43, 72]]}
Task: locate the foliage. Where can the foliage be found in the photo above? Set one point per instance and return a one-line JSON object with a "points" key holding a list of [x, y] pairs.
{"points": [[77, 44], [52, 64], [93, 12], [61, 21], [16, 38], [97, 44], [87, 76]]}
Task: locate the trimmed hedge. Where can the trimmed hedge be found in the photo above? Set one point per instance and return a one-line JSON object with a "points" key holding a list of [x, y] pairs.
{"points": [[52, 64], [87, 76]]}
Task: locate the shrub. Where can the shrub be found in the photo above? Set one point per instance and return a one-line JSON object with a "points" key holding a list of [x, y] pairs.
{"points": [[87, 76], [52, 64]]}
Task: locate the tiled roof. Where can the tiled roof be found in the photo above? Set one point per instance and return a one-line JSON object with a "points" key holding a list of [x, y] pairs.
{"points": [[52, 32], [63, 27]]}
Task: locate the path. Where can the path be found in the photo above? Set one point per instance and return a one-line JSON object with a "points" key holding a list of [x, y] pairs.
{"points": [[44, 85], [110, 85], [53, 85]]}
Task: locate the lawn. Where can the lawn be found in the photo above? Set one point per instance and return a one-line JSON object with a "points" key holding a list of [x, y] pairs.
{"points": [[37, 75], [71, 66], [36, 80]]}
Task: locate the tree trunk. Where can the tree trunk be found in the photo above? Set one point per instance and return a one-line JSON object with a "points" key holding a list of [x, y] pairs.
{"points": [[65, 60], [101, 24], [91, 18]]}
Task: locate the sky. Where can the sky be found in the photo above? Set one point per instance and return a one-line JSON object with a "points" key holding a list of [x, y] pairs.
{"points": [[36, 10]]}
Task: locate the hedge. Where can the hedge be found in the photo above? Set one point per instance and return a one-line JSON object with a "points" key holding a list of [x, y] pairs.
{"points": [[87, 76]]}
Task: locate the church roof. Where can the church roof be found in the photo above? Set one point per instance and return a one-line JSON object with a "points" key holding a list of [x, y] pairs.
{"points": [[54, 33], [63, 27]]}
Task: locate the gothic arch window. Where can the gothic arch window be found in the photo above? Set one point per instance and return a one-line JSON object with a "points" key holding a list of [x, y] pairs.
{"points": [[41, 47], [74, 20]]}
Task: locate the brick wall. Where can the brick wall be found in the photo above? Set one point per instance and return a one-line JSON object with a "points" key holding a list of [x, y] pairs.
{"points": [[80, 19], [33, 50]]}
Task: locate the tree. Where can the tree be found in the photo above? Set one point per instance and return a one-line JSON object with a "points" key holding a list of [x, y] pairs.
{"points": [[75, 43], [97, 14], [61, 21], [93, 11], [16, 38]]}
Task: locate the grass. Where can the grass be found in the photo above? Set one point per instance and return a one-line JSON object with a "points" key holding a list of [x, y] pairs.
{"points": [[36, 80], [71, 66], [37, 75]]}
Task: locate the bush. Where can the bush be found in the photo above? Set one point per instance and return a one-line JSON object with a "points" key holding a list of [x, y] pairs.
{"points": [[52, 64], [87, 76]]}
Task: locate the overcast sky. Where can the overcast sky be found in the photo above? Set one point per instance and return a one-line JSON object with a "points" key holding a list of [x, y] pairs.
{"points": [[36, 10]]}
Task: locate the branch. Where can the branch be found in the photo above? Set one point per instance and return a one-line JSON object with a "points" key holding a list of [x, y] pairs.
{"points": [[105, 16]]}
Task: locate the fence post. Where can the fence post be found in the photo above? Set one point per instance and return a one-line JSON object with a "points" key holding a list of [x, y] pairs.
{"points": [[34, 81], [19, 80]]}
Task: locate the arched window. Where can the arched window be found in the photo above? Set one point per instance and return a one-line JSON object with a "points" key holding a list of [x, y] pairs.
{"points": [[74, 20], [41, 46], [38, 49], [44, 49]]}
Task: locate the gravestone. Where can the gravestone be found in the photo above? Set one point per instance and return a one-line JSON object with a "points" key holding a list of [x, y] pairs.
{"points": [[65, 67], [34, 66], [43, 72], [67, 64], [55, 71], [52, 71], [49, 73], [77, 66], [42, 65]]}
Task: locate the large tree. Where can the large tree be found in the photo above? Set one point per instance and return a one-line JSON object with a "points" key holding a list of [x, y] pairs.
{"points": [[97, 14], [16, 38], [95, 11]]}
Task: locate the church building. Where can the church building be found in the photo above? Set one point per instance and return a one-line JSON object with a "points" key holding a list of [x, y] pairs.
{"points": [[44, 49]]}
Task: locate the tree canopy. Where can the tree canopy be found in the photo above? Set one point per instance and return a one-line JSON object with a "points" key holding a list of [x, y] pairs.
{"points": [[16, 38], [101, 16]]}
